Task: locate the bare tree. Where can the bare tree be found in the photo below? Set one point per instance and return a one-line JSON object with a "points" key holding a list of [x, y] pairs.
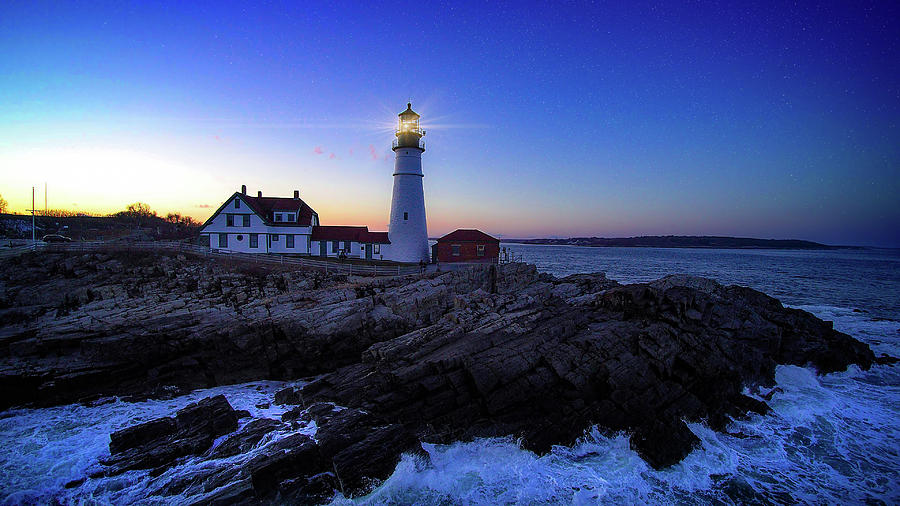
{"points": [[140, 210], [3, 205], [189, 222]]}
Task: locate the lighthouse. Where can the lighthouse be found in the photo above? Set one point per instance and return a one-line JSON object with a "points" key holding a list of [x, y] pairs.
{"points": [[408, 231]]}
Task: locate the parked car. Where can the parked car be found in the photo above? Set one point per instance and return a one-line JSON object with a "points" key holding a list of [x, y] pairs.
{"points": [[55, 238]]}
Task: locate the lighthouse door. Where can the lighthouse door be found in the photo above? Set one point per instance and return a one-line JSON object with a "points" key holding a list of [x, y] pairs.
{"points": [[368, 251]]}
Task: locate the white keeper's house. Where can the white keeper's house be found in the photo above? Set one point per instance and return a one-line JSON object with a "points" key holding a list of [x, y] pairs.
{"points": [[247, 224], [287, 225]]}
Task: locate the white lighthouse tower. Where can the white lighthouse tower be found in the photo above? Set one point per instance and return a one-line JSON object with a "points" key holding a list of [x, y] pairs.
{"points": [[408, 231]]}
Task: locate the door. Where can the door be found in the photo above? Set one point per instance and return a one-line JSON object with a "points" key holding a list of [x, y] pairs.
{"points": [[368, 251], [323, 249]]}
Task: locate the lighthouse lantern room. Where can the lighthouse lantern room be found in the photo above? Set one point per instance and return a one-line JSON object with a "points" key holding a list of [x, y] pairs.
{"points": [[408, 230]]}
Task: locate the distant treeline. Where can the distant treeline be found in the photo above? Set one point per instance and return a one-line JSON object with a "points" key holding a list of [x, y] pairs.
{"points": [[680, 241], [137, 221]]}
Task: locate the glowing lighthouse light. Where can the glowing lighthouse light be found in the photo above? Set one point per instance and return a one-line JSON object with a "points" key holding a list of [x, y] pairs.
{"points": [[408, 230]]}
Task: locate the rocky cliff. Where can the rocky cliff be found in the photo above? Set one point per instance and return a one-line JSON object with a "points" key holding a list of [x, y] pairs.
{"points": [[450, 356]]}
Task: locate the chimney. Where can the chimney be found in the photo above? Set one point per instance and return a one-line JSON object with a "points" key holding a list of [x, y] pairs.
{"points": [[296, 194], [259, 193], [243, 189]]}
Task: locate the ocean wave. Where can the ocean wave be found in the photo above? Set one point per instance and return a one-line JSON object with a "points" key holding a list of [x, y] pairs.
{"points": [[828, 439]]}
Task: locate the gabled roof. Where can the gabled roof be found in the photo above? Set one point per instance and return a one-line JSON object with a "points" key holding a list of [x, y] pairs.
{"points": [[346, 233], [467, 235], [263, 207]]}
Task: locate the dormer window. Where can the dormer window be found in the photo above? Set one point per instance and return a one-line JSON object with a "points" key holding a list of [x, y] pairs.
{"points": [[290, 217], [277, 216]]}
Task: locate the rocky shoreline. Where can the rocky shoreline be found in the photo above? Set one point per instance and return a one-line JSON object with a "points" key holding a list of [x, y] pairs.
{"points": [[450, 356]]}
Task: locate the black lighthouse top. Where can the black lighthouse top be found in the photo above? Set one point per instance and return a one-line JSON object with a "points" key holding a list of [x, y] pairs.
{"points": [[409, 135]]}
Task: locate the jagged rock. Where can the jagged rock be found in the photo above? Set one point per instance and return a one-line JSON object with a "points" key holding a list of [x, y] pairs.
{"points": [[289, 395], [244, 439], [639, 358], [141, 434], [159, 442], [212, 416], [486, 351], [292, 457]]}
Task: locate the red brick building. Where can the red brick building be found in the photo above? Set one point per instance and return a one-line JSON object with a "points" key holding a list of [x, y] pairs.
{"points": [[466, 245]]}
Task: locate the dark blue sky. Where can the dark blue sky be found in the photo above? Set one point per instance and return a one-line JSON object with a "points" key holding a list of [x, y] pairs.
{"points": [[544, 119]]}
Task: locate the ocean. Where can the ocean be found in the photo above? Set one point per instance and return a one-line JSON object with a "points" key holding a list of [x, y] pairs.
{"points": [[829, 439]]}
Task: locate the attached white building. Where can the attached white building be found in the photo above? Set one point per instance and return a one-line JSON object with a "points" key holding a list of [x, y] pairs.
{"points": [[284, 225], [353, 242]]}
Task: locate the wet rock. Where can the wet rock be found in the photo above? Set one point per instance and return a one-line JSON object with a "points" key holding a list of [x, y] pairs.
{"points": [[212, 416], [245, 439], [141, 434], [352, 452], [289, 395], [292, 457], [75, 483], [885, 359], [771, 393], [157, 443], [361, 465]]}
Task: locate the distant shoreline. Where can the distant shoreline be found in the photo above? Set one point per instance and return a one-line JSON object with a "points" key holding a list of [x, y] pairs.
{"points": [[680, 241]]}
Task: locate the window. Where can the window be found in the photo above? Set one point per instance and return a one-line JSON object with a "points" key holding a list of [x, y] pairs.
{"points": [[229, 220], [240, 237], [274, 237], [377, 249], [347, 246], [246, 220], [405, 216], [223, 240], [254, 240], [290, 217], [277, 216], [334, 246], [289, 240], [454, 248], [237, 203], [480, 249]]}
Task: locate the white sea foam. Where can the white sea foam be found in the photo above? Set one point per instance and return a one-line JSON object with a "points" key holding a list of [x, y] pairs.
{"points": [[829, 440], [43, 449]]}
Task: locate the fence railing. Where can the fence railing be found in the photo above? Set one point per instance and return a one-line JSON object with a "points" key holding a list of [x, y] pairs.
{"points": [[349, 268]]}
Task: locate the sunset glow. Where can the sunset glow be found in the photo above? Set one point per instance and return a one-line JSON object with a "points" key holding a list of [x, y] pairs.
{"points": [[712, 122]]}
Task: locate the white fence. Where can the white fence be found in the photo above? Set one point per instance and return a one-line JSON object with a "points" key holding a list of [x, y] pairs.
{"points": [[346, 267]]}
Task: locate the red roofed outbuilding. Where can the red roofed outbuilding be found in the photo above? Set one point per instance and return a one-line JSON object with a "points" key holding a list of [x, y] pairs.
{"points": [[466, 245]]}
